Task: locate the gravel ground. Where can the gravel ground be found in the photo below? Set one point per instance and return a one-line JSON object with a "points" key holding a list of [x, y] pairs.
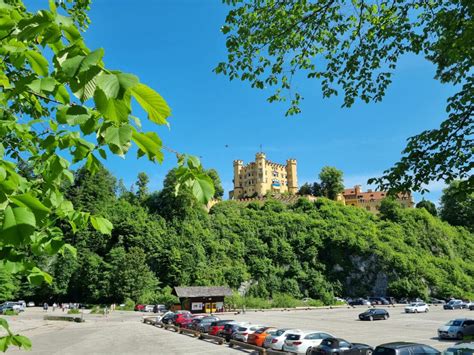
{"points": [[123, 332]]}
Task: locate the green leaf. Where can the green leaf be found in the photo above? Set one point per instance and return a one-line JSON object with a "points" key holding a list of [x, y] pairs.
{"points": [[127, 81], [113, 109], [3, 174], [101, 225], [92, 59], [194, 162], [156, 107], [62, 95], [18, 224], [72, 115], [44, 84], [38, 63], [21, 341], [4, 324], [37, 277], [109, 84], [150, 144], [203, 188], [4, 342], [71, 65], [118, 139], [27, 200]]}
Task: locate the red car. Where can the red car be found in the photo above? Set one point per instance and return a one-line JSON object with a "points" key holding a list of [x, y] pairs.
{"points": [[217, 327], [140, 307], [182, 318]]}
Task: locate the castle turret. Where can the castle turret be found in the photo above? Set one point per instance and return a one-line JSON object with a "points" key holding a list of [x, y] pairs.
{"points": [[260, 161], [292, 178], [237, 192]]}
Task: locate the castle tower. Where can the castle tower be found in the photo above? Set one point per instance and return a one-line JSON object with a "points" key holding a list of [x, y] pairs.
{"points": [[237, 192], [260, 164], [292, 178]]}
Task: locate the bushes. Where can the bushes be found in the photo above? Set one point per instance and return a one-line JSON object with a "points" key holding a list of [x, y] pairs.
{"points": [[73, 311], [10, 312]]}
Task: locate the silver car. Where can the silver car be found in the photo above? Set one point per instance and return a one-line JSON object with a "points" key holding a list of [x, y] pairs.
{"points": [[456, 329]]}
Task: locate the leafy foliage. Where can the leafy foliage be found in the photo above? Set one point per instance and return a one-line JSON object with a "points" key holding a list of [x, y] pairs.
{"points": [[353, 48], [427, 205], [60, 105], [457, 206], [284, 253]]}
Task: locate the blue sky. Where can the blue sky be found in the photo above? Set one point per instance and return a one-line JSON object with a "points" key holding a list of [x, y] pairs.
{"points": [[173, 45]]}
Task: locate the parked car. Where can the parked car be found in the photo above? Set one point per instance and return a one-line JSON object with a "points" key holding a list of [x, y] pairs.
{"points": [[243, 331], [454, 304], [258, 338], [461, 348], [417, 307], [187, 322], [359, 302], [378, 300], [22, 303], [217, 327], [404, 348], [30, 304], [374, 314], [163, 318], [168, 318], [437, 301], [230, 328], [182, 317], [204, 324], [471, 307], [10, 306], [159, 308], [277, 340], [139, 307], [404, 300], [148, 308], [341, 346], [468, 304], [299, 343], [456, 329]]}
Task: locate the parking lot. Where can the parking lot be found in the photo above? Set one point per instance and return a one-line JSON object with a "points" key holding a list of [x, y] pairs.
{"points": [[123, 332]]}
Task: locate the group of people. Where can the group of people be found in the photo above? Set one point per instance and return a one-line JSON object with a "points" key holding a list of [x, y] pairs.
{"points": [[62, 306]]}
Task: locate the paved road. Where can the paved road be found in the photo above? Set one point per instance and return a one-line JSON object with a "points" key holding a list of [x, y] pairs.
{"points": [[123, 332]]}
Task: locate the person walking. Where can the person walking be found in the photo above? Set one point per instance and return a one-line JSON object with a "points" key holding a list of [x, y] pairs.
{"points": [[45, 307], [54, 306]]}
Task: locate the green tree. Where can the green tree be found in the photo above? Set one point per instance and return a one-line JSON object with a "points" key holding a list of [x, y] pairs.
{"points": [[59, 100], [305, 189], [216, 180], [390, 209], [142, 185], [356, 53], [130, 276], [331, 182], [427, 205], [457, 206], [7, 285]]}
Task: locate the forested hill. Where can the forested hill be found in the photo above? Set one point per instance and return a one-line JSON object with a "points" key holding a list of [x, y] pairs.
{"points": [[316, 250]]}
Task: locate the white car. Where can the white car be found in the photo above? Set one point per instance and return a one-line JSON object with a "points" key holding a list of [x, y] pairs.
{"points": [[31, 304], [299, 343], [148, 308], [417, 308], [277, 340], [243, 331]]}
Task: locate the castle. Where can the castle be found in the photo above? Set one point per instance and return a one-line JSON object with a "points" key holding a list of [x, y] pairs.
{"points": [[371, 200], [263, 176]]}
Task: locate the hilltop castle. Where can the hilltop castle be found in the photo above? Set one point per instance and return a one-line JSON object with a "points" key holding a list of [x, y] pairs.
{"points": [[262, 176]]}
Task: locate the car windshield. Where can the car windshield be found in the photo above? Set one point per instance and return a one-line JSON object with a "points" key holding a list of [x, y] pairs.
{"points": [[242, 329], [280, 332], [293, 337], [380, 350], [413, 304], [455, 323]]}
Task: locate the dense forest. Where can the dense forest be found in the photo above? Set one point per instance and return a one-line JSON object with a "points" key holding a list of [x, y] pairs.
{"points": [[316, 249]]}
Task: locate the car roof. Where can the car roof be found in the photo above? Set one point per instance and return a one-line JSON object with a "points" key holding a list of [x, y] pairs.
{"points": [[399, 344]]}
